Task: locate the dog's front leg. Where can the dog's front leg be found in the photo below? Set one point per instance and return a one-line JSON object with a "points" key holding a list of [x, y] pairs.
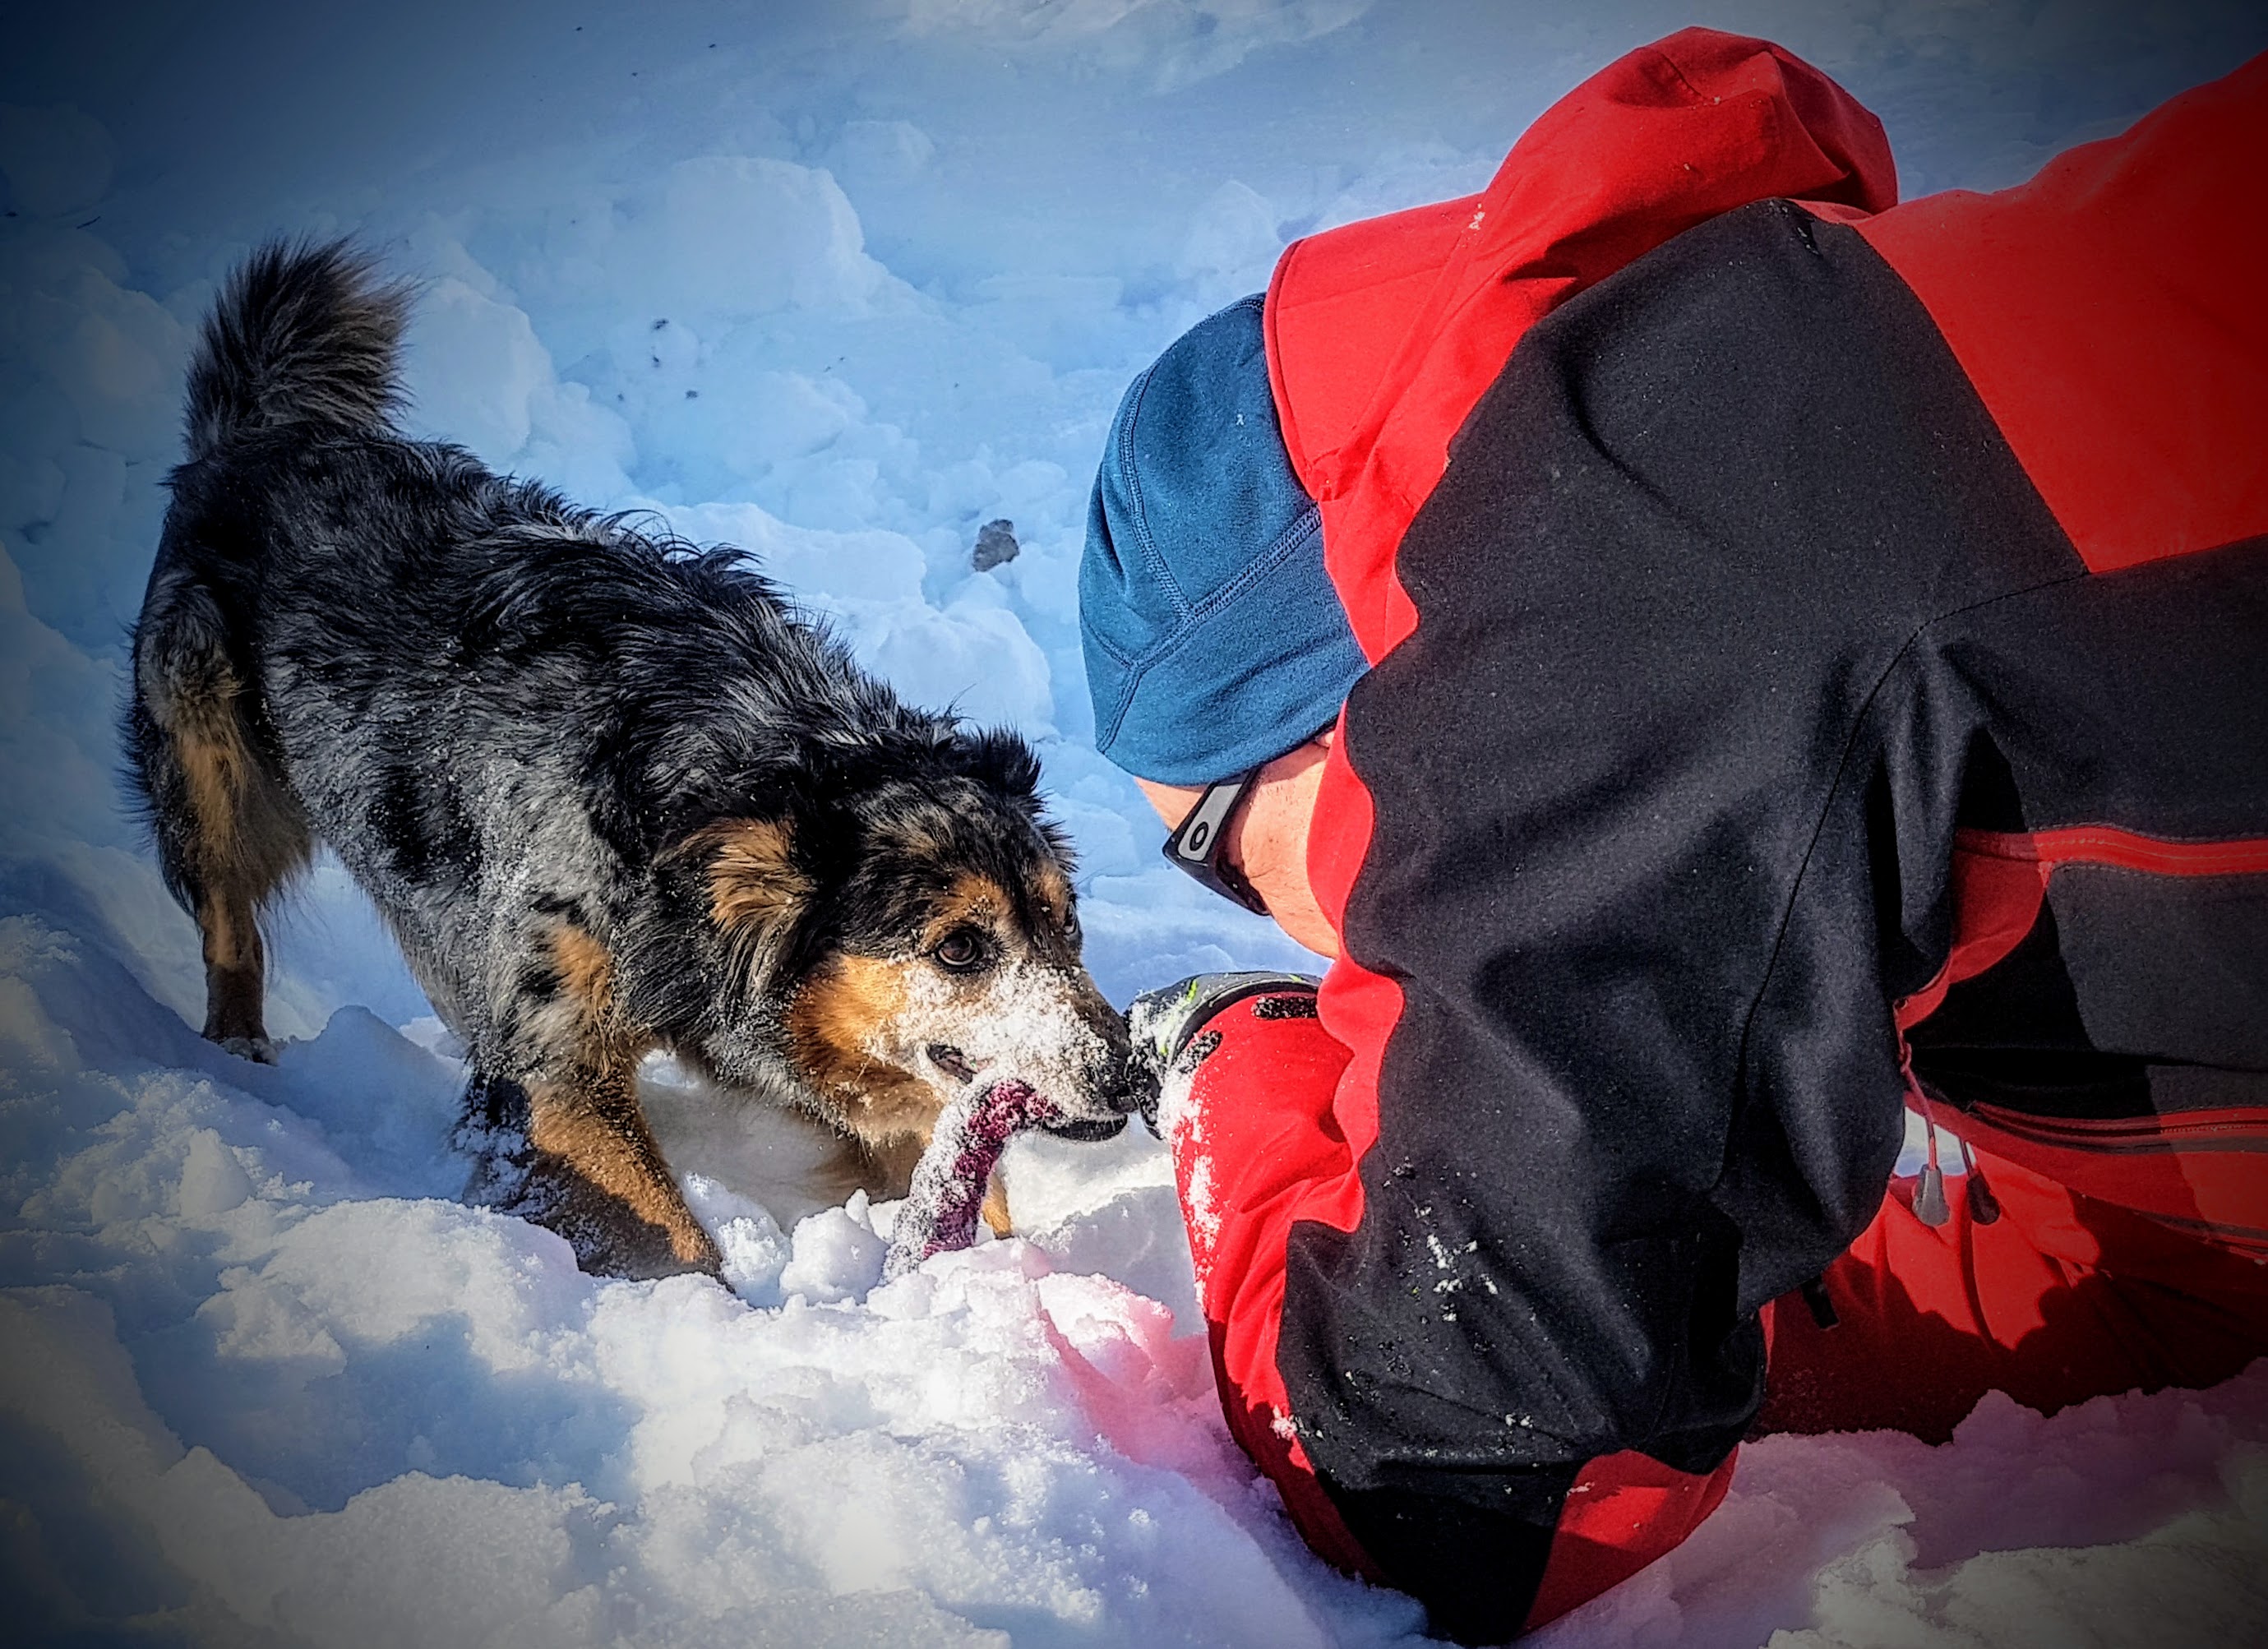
{"points": [[575, 1156], [995, 1210], [596, 1176], [561, 1139]]}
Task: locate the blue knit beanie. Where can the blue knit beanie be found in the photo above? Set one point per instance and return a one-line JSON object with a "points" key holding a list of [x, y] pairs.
{"points": [[1214, 640]]}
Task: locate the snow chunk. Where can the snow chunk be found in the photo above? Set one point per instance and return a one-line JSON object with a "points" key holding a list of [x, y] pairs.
{"points": [[756, 1250], [478, 376], [742, 235], [838, 1255]]}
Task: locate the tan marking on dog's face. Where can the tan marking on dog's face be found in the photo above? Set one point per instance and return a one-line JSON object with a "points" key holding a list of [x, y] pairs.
{"points": [[973, 903], [839, 1026], [1061, 905], [1055, 892]]}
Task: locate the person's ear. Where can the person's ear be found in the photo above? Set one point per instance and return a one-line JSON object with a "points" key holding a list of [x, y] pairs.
{"points": [[1170, 802]]}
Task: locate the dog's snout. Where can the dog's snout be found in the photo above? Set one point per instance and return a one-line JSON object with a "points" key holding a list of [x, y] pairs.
{"points": [[1125, 1084], [1117, 1084], [1088, 1132]]}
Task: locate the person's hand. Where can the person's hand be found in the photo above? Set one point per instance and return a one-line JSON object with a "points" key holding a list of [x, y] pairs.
{"points": [[1168, 1025]]}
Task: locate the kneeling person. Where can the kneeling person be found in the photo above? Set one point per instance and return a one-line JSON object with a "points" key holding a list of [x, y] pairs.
{"points": [[1716, 664]]}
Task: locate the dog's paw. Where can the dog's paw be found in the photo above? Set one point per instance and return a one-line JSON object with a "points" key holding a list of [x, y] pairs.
{"points": [[259, 1049]]}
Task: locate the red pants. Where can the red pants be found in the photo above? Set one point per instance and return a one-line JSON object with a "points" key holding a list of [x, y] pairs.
{"points": [[2062, 1298]]}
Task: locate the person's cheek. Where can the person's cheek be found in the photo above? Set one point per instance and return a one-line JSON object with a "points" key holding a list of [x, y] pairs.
{"points": [[1291, 904]]}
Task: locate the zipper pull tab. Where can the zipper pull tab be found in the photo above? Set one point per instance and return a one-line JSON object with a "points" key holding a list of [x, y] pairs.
{"points": [[1983, 1207], [1929, 1204]]}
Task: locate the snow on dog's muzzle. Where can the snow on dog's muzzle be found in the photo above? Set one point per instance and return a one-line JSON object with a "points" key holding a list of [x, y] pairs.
{"points": [[1115, 1079]]}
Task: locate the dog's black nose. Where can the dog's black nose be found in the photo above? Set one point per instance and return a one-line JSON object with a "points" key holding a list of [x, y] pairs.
{"points": [[1126, 1085], [1115, 1078]]}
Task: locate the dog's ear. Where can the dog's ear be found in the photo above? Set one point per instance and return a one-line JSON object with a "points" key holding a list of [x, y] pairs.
{"points": [[999, 759], [755, 890], [1003, 761]]}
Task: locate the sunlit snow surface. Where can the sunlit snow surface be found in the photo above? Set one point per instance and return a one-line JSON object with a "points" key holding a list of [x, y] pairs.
{"points": [[840, 284]]}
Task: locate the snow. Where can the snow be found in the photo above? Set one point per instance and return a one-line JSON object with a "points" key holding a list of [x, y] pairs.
{"points": [[840, 284]]}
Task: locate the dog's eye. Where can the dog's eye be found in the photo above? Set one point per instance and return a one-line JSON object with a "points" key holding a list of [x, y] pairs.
{"points": [[960, 952], [1071, 926]]}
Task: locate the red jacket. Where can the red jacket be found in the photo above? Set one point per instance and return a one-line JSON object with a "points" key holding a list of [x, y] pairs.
{"points": [[1817, 662]]}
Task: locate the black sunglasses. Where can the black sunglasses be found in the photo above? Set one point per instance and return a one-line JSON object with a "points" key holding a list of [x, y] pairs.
{"points": [[1195, 846]]}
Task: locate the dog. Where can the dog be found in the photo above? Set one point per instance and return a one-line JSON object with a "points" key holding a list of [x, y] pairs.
{"points": [[610, 791]]}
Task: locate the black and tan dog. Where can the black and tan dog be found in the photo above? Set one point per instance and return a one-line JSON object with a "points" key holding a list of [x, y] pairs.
{"points": [[611, 792]]}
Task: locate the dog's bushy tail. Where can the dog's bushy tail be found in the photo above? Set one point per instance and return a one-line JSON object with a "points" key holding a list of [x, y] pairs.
{"points": [[303, 333]]}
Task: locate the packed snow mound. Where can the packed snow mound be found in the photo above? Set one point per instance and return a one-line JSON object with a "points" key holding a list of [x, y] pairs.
{"points": [[357, 1413], [839, 285]]}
